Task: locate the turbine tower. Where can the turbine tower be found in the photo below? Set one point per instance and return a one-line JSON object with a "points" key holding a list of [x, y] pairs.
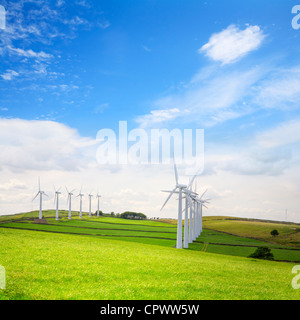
{"points": [[70, 201], [98, 198], [188, 222], [57, 193], [202, 203], [90, 205], [41, 193], [80, 195]]}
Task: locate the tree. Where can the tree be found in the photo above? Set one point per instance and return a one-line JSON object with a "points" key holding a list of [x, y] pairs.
{"points": [[133, 215], [274, 233], [262, 253]]}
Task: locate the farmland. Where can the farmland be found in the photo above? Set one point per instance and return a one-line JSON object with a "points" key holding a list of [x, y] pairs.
{"points": [[112, 258]]}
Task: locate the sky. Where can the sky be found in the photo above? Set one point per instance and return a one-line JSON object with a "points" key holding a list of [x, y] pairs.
{"points": [[71, 68]]}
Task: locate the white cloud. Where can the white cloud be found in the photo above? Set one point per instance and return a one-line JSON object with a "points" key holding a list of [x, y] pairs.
{"points": [[12, 184], [281, 90], [211, 100], [29, 53], [158, 116], [284, 134], [42, 145], [232, 44], [104, 24], [9, 75], [101, 108]]}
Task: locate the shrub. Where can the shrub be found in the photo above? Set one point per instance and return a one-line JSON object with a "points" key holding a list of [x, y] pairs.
{"points": [[274, 233], [262, 253]]}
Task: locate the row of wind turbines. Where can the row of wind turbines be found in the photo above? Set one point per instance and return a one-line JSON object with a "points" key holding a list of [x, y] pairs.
{"points": [[194, 204], [70, 194], [192, 211]]}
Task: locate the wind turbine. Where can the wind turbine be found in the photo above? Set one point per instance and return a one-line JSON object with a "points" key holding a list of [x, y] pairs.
{"points": [[57, 193], [180, 189], [188, 222], [41, 193], [202, 203], [80, 195], [98, 198], [70, 201], [90, 207]]}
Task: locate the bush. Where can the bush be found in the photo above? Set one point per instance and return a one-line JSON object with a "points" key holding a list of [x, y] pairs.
{"points": [[262, 253], [274, 233]]}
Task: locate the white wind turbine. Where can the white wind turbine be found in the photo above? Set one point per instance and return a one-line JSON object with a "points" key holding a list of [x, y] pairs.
{"points": [[202, 203], [57, 193], [90, 204], [98, 199], [41, 193], [80, 195], [198, 203], [70, 201], [188, 221], [181, 189]]}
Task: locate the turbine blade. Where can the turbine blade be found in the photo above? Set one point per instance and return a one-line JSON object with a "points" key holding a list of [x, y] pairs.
{"points": [[203, 194], [194, 177], [67, 189], [39, 184], [168, 191], [35, 196], [170, 195]]}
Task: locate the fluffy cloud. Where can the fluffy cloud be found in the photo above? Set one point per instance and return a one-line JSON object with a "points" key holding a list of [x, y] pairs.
{"points": [[42, 145], [232, 44]]}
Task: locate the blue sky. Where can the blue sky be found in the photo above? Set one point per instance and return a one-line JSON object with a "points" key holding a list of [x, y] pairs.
{"points": [[75, 67]]}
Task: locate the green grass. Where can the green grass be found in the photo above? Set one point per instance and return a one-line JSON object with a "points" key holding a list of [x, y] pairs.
{"points": [[113, 258], [222, 243], [159, 233], [61, 266], [289, 233]]}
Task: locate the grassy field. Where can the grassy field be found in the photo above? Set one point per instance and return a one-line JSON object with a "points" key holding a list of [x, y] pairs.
{"points": [[112, 258], [289, 233], [62, 266]]}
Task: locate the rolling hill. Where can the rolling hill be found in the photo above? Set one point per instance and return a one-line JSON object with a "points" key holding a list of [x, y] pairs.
{"points": [[113, 258]]}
